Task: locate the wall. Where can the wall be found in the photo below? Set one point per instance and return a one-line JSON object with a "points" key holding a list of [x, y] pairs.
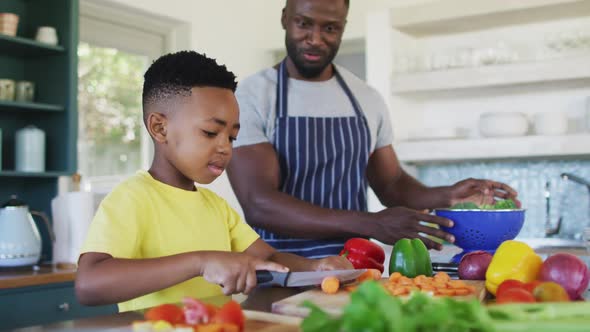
{"points": [[567, 200], [246, 44]]}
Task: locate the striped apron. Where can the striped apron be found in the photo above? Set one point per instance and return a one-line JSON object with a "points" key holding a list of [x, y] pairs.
{"points": [[323, 161]]}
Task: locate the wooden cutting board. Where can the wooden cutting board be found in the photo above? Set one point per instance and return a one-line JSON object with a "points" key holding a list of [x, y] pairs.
{"points": [[293, 306], [269, 322]]}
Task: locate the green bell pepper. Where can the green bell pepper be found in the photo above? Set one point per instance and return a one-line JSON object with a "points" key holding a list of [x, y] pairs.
{"points": [[410, 257]]}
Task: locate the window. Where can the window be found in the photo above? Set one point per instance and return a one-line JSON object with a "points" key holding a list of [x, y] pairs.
{"points": [[117, 44], [110, 114]]}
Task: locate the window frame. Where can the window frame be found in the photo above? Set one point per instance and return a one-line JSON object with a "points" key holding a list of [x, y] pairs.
{"points": [[107, 24]]}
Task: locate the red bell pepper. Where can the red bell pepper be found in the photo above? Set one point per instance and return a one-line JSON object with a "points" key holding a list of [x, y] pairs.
{"points": [[364, 254]]}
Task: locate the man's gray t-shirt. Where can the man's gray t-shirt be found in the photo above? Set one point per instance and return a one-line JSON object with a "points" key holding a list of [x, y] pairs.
{"points": [[257, 100]]}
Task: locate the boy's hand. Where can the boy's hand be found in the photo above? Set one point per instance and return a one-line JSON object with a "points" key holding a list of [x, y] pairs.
{"points": [[332, 263], [235, 272]]}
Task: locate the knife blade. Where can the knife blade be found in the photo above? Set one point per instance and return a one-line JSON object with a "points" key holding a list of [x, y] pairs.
{"points": [[299, 279]]}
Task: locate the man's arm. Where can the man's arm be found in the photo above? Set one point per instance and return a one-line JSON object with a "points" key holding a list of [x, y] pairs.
{"points": [[264, 251], [394, 187], [254, 175]]}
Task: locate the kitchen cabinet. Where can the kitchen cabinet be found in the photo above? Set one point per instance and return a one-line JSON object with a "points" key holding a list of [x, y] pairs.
{"points": [[53, 70], [442, 64], [44, 304]]}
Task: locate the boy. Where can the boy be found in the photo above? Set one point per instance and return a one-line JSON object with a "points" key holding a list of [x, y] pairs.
{"points": [[156, 237]]}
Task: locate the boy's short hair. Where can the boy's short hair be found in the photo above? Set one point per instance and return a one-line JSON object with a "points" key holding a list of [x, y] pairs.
{"points": [[175, 74]]}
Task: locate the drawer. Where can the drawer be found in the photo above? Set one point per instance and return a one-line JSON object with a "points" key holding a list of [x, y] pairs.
{"points": [[44, 304]]}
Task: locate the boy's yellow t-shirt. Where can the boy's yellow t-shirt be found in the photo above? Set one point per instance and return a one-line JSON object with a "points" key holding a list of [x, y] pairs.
{"points": [[145, 218]]}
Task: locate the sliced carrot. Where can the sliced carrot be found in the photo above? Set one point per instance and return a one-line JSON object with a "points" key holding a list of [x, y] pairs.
{"points": [[400, 291], [330, 285], [442, 276], [462, 291], [428, 288], [394, 277], [350, 288], [405, 281], [456, 284], [445, 292], [370, 274], [439, 284]]}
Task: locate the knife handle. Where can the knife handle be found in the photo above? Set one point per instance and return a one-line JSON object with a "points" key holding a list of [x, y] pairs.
{"points": [[445, 267], [270, 278]]}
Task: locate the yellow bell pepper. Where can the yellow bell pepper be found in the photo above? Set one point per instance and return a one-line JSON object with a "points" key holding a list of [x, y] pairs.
{"points": [[512, 260]]}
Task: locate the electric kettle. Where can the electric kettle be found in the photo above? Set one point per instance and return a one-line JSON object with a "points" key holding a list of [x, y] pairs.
{"points": [[20, 242]]}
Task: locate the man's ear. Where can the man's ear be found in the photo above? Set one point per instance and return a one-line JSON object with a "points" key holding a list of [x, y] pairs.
{"points": [[156, 126], [284, 19]]}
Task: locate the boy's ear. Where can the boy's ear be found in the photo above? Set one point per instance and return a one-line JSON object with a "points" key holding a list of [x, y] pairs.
{"points": [[156, 126]]}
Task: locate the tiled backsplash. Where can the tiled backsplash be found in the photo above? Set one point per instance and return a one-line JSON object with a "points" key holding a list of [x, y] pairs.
{"points": [[569, 200]]}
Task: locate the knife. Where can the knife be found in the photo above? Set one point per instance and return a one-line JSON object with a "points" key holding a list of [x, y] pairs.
{"points": [[299, 279], [445, 267]]}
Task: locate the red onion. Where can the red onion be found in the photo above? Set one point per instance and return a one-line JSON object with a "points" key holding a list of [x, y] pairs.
{"points": [[473, 265], [567, 270]]}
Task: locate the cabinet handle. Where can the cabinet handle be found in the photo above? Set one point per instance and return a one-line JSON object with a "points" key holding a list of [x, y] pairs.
{"points": [[64, 307]]}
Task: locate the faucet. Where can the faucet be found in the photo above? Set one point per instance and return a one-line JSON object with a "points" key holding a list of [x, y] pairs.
{"points": [[550, 230], [577, 179]]}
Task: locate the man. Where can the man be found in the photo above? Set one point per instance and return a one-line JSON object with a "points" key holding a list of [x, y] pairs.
{"points": [[314, 136]]}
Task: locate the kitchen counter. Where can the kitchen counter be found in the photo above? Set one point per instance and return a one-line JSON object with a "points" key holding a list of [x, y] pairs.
{"points": [[258, 300], [34, 276]]}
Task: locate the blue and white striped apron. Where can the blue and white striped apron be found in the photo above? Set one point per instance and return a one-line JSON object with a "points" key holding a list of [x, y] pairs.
{"points": [[323, 161]]}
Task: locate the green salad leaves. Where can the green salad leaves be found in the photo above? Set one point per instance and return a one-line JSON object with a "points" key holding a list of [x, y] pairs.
{"points": [[372, 309], [505, 204]]}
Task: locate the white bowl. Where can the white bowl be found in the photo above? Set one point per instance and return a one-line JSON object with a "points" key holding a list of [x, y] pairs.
{"points": [[503, 124], [550, 123]]}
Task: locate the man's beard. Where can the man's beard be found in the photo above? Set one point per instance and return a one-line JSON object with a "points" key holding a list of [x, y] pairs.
{"points": [[306, 70]]}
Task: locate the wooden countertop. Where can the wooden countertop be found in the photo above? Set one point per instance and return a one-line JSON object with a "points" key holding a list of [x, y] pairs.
{"points": [[34, 276], [257, 308]]}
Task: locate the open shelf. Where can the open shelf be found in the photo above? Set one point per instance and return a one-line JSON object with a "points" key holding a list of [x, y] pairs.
{"points": [[49, 174], [574, 68], [493, 148], [455, 16], [22, 106], [18, 46]]}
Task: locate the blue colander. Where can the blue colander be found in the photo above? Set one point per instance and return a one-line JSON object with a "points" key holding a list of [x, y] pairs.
{"points": [[482, 229]]}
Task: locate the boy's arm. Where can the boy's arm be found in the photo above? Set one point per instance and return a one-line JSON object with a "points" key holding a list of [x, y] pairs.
{"points": [[264, 251], [102, 279]]}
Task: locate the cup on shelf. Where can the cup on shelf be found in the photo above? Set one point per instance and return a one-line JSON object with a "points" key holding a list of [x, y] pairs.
{"points": [[550, 123], [8, 24], [6, 89], [30, 150], [25, 91], [47, 35]]}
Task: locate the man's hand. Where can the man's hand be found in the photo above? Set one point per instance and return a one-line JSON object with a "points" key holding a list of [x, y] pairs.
{"points": [[480, 192], [397, 223], [235, 272], [332, 263]]}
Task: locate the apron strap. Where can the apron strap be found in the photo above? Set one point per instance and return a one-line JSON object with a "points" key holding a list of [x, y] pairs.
{"points": [[282, 89]]}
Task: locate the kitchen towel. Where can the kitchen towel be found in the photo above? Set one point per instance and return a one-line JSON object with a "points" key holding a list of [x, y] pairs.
{"points": [[72, 214]]}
